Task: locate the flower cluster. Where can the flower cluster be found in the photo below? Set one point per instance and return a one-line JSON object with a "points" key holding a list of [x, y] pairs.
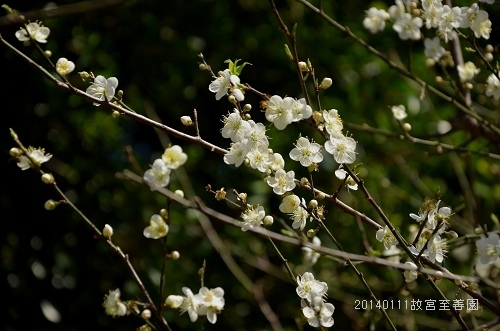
{"points": [[315, 309], [159, 173], [340, 146], [208, 302], [295, 207], [283, 111]]}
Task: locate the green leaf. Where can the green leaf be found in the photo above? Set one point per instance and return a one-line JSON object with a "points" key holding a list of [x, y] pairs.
{"points": [[234, 68]]}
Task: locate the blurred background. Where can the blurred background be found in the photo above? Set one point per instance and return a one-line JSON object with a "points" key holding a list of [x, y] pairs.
{"points": [[55, 273]]}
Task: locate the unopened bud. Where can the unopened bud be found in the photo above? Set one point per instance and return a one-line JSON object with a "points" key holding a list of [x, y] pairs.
{"points": [[488, 57], [232, 99], [115, 114], [164, 213], [146, 314], [119, 94], [186, 120], [311, 233], [320, 195], [489, 48], [247, 117], [430, 62], [107, 232], [326, 83], [304, 181], [313, 204], [84, 75], [50, 204], [179, 193], [175, 255], [268, 220], [203, 66], [438, 275], [407, 127], [303, 66], [473, 286], [15, 152], [247, 107], [48, 178], [47, 53], [174, 301]]}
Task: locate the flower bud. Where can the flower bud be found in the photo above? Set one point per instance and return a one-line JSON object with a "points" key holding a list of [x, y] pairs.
{"points": [[325, 83], [247, 107], [303, 66], [50, 204], [115, 114], [311, 233], [473, 286], [119, 94], [84, 75], [146, 314], [489, 48], [268, 220], [15, 152], [438, 275], [304, 181], [107, 232], [186, 120], [174, 301], [47, 53], [175, 255], [313, 204], [179, 193], [320, 195], [407, 127], [48, 178], [232, 99], [247, 117], [164, 213], [203, 66], [488, 57]]}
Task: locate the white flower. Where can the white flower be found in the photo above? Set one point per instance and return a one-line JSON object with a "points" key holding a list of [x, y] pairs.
{"points": [[158, 176], [422, 215], [488, 248], [259, 158], [33, 31], [392, 254], [237, 153], [102, 88], [33, 159], [276, 162], [410, 275], [235, 127], [157, 228], [190, 304], [493, 87], [489, 2], [436, 249], [174, 301], [467, 71], [309, 288], [64, 67], [451, 18], [436, 215], [385, 236], [222, 83], [300, 110], [349, 181], [342, 148], [252, 217], [256, 135], [289, 204], [174, 157], [408, 27], [398, 10], [279, 111], [319, 314], [481, 25], [432, 16], [433, 48], [333, 123], [211, 303], [427, 4], [113, 305], [299, 217], [282, 181], [375, 19], [399, 112], [310, 256], [306, 152]]}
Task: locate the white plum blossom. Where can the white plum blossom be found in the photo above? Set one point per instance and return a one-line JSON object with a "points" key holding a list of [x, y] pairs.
{"points": [[433, 48], [493, 87], [488, 248], [279, 111], [64, 66], [102, 88], [410, 275], [300, 110], [259, 158], [190, 304], [422, 215], [112, 304], [33, 159], [276, 162], [256, 135], [33, 31], [432, 16], [385, 236], [282, 181], [299, 217], [290, 203], [467, 71], [211, 303], [342, 148], [397, 10], [489, 2], [157, 228], [235, 127], [237, 153], [438, 214], [308, 287], [349, 181], [174, 157], [310, 256], [408, 27], [428, 4], [222, 83], [375, 19], [252, 217], [451, 18], [436, 249], [319, 313], [332, 122], [306, 152], [399, 112], [481, 25], [158, 176]]}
